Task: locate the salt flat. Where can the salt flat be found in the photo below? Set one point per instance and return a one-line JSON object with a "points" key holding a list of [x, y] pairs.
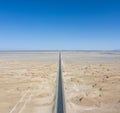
{"points": [[92, 81], [27, 81]]}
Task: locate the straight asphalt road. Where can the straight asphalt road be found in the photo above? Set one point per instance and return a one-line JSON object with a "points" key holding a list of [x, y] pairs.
{"points": [[60, 97]]}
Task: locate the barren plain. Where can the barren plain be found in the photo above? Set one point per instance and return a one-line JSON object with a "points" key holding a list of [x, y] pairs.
{"points": [[92, 81], [27, 82]]}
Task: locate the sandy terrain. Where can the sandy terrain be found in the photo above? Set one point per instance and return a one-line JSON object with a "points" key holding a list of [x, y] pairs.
{"points": [[27, 82], [92, 82]]}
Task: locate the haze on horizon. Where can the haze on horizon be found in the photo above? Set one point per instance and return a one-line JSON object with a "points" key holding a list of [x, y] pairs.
{"points": [[60, 25]]}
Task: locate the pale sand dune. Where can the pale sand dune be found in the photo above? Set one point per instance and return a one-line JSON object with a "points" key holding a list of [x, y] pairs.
{"points": [[92, 82], [27, 82]]}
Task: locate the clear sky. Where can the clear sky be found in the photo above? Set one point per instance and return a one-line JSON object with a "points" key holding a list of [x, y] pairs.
{"points": [[59, 24]]}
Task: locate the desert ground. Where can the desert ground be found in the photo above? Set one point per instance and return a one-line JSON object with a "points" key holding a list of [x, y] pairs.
{"points": [[92, 81], [27, 82]]}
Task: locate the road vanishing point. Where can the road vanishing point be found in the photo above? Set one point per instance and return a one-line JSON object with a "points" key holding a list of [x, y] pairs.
{"points": [[60, 90]]}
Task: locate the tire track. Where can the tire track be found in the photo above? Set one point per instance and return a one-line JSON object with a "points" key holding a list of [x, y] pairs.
{"points": [[20, 105]]}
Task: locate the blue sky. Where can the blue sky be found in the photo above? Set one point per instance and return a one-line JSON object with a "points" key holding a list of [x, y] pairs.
{"points": [[59, 24]]}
